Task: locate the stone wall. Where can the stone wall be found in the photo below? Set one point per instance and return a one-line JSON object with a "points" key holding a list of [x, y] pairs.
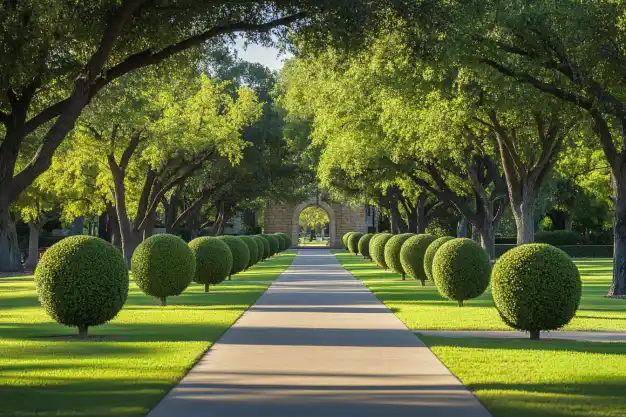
{"points": [[280, 217]]}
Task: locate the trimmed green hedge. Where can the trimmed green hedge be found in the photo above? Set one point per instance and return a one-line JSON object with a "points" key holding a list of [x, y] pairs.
{"points": [[536, 287], [274, 244], [82, 281], [392, 252], [260, 248], [163, 265], [560, 238], [240, 251], [461, 270], [214, 260], [429, 256], [267, 251], [412, 256], [344, 239], [353, 242], [252, 249], [288, 242], [364, 245], [377, 248], [282, 242]]}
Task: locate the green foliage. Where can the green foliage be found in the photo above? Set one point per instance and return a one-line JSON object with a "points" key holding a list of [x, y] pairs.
{"points": [[377, 248], [353, 242], [282, 242], [273, 241], [252, 249], [344, 239], [461, 270], [288, 240], [267, 250], [163, 265], [536, 287], [364, 244], [412, 255], [560, 238], [312, 217], [214, 260], [240, 251], [82, 281], [260, 248], [285, 241], [429, 256], [392, 251]]}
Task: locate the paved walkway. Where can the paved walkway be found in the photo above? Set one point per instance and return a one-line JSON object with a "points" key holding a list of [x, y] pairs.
{"points": [[561, 335], [319, 344]]}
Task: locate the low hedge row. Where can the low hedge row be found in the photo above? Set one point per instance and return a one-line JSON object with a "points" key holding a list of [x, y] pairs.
{"points": [[82, 281], [535, 287], [574, 251]]}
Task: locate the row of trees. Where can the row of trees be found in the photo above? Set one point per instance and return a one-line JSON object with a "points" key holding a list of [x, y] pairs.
{"points": [[476, 109], [64, 61]]}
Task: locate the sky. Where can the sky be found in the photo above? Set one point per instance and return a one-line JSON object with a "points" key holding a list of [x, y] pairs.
{"points": [[270, 57]]}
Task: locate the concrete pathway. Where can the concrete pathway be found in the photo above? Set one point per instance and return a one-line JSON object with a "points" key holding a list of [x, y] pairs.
{"points": [[319, 344], [561, 335]]}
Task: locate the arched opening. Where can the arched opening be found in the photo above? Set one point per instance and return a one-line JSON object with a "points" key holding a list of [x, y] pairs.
{"points": [[314, 225]]}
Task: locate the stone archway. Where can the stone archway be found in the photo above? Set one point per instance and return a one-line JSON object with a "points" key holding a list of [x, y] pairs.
{"points": [[343, 218], [332, 228]]}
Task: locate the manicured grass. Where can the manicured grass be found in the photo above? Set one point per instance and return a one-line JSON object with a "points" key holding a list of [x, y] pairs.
{"points": [[423, 308], [520, 378], [129, 364], [315, 243]]}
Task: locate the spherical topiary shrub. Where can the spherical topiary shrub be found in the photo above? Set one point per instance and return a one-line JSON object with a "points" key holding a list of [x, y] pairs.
{"points": [[163, 265], [461, 270], [392, 252], [412, 256], [429, 256], [260, 248], [536, 287], [252, 248], [214, 260], [353, 242], [364, 245], [377, 248], [282, 242], [273, 241], [82, 281], [344, 239], [266, 246], [288, 240], [240, 251]]}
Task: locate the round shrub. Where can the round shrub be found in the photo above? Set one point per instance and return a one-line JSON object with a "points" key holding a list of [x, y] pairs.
{"points": [[82, 281], [353, 242], [287, 239], [461, 270], [266, 246], [163, 265], [377, 248], [240, 251], [252, 249], [536, 287], [214, 260], [273, 241], [282, 242], [344, 239], [364, 245], [260, 248], [560, 238], [429, 256], [412, 256], [392, 252]]}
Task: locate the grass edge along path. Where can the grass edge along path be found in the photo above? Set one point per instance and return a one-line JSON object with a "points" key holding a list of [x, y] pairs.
{"points": [[129, 364], [516, 378]]}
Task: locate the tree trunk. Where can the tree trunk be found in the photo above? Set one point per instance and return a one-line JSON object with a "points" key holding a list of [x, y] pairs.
{"points": [[163, 301], [10, 257], [489, 241], [534, 334], [422, 218], [126, 233], [103, 230], [461, 227], [524, 213], [83, 331], [476, 234], [33, 246], [206, 287], [618, 286]]}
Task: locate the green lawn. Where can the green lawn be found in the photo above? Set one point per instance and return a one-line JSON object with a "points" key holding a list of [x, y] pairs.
{"points": [[315, 243], [518, 378], [138, 357], [423, 308]]}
